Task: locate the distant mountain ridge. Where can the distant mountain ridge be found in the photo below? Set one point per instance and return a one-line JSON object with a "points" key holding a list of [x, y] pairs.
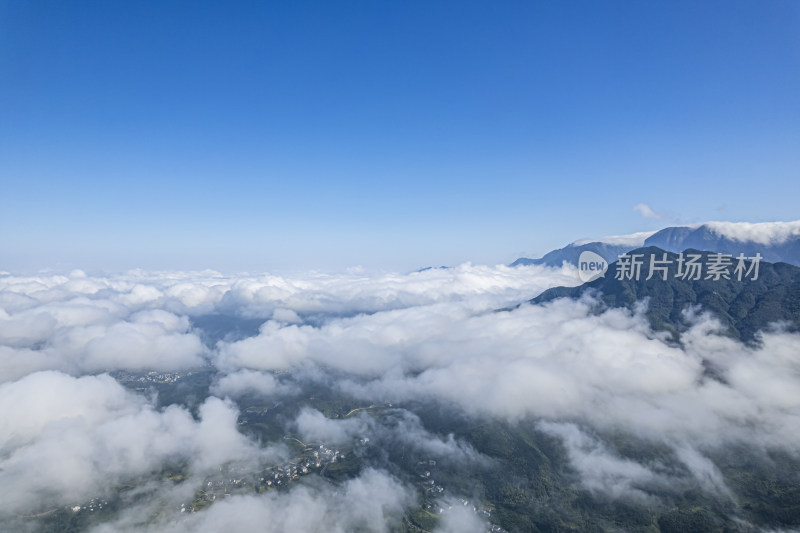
{"points": [[744, 307], [572, 252], [707, 237], [775, 241]]}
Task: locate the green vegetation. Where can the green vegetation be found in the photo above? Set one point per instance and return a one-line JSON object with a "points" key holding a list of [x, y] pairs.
{"points": [[743, 307], [527, 479]]}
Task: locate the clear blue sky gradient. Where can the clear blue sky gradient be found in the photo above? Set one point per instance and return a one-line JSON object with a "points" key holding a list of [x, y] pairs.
{"points": [[300, 135]]}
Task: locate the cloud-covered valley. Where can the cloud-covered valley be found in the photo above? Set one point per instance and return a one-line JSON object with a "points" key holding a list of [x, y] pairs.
{"points": [[589, 378]]}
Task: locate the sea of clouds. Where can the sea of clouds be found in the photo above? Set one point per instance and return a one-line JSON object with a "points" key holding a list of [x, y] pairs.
{"points": [[571, 369]]}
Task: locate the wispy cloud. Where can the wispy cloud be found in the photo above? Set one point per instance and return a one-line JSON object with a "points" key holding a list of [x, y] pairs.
{"points": [[646, 211]]}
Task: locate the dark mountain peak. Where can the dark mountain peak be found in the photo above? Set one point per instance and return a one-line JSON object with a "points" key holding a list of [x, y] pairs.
{"points": [[669, 238], [746, 296]]}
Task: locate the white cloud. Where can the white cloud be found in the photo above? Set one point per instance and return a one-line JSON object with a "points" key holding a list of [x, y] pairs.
{"points": [[67, 439], [603, 472], [608, 475], [373, 501], [78, 323], [634, 240], [286, 315], [646, 211], [552, 361], [249, 382], [315, 427], [766, 233], [432, 335], [459, 518], [87, 339]]}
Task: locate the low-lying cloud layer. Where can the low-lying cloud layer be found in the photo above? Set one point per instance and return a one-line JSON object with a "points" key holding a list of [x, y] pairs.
{"points": [[561, 360], [758, 232], [66, 439], [80, 324], [570, 369], [373, 501]]}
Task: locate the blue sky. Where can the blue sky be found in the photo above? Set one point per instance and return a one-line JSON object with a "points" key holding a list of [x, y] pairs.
{"points": [[301, 135]]}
